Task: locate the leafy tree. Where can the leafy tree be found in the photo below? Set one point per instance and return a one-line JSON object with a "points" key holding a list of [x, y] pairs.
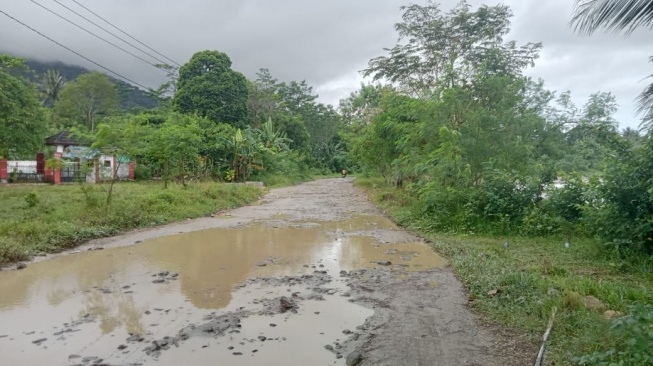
{"points": [[175, 146], [440, 50], [123, 137], [209, 87], [264, 100], [86, 100], [51, 87], [632, 136], [590, 133], [618, 15], [22, 119], [363, 105], [166, 91]]}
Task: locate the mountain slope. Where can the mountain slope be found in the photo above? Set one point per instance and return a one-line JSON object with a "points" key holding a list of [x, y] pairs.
{"points": [[130, 96]]}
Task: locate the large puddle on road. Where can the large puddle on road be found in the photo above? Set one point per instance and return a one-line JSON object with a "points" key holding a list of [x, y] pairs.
{"points": [[87, 304]]}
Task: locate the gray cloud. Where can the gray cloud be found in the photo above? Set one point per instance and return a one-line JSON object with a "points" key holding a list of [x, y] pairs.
{"points": [[325, 43]]}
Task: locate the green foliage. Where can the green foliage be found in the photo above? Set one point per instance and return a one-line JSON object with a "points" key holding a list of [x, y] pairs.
{"points": [[208, 87], [254, 149], [633, 335], [476, 145], [22, 120], [31, 199], [623, 215], [51, 87], [85, 101], [439, 49], [567, 202]]}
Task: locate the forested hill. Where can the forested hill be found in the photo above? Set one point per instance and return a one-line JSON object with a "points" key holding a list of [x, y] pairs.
{"points": [[130, 96]]}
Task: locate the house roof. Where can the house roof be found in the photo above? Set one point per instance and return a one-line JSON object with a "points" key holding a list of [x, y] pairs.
{"points": [[65, 138]]}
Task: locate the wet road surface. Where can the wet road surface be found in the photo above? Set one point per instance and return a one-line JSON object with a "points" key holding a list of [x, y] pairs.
{"points": [[311, 275]]}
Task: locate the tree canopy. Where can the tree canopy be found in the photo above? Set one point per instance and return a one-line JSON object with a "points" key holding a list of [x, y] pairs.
{"points": [[86, 100], [23, 121], [209, 87]]}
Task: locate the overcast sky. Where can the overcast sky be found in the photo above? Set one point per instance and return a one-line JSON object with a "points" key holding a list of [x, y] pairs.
{"points": [[325, 42]]}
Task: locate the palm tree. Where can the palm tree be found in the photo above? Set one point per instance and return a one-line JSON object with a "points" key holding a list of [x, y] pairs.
{"points": [[51, 87], [616, 16]]}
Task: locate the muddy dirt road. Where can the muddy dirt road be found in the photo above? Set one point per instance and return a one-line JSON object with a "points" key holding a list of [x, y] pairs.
{"points": [[312, 275]]}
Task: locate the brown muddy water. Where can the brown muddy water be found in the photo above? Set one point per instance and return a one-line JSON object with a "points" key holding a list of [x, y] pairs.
{"points": [[80, 308]]}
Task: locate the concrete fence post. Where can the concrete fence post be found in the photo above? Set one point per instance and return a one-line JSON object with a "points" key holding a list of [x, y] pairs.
{"points": [[4, 175], [132, 170]]}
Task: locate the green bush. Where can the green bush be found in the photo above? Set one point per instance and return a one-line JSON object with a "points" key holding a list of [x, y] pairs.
{"points": [[633, 335], [623, 217], [567, 202], [31, 199]]}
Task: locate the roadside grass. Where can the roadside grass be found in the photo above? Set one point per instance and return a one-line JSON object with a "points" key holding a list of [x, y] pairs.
{"points": [[534, 275], [46, 218]]}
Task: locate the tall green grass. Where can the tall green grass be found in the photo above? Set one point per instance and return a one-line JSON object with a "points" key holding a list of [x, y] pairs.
{"points": [[44, 218]]}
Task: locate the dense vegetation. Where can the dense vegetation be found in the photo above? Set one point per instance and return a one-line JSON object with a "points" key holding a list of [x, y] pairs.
{"points": [[468, 146], [475, 146]]}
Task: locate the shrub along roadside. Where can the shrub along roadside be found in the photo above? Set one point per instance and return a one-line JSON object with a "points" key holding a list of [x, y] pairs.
{"points": [[44, 219], [533, 275]]}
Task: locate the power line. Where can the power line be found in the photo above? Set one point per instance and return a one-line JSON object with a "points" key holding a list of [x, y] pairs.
{"points": [[75, 52], [96, 36], [123, 32], [104, 29]]}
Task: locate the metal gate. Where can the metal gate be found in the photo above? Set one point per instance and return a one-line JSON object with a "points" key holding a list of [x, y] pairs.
{"points": [[71, 172]]}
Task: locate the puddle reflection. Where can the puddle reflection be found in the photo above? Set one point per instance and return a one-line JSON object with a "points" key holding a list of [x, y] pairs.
{"points": [[115, 285]]}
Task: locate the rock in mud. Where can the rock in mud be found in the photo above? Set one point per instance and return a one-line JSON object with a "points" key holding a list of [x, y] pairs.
{"points": [[135, 338], [219, 326], [354, 358], [285, 305], [279, 305], [159, 280], [21, 266], [384, 263]]}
